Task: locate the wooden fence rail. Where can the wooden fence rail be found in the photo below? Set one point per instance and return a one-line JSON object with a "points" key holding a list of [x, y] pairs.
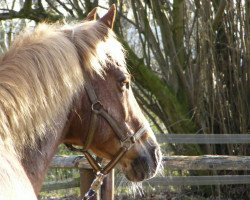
{"points": [[70, 162], [163, 181], [204, 138], [206, 162], [59, 185], [199, 180]]}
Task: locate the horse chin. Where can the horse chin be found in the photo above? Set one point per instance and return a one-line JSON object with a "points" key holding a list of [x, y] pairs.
{"points": [[143, 167]]}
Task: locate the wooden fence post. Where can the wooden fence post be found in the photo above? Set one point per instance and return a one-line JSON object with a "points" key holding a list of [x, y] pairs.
{"points": [[107, 189], [86, 178]]}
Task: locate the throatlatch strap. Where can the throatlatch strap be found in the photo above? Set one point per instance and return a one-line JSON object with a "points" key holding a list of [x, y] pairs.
{"points": [[90, 89], [91, 131]]}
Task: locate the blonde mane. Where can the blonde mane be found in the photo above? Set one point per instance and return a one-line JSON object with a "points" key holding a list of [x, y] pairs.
{"points": [[41, 75]]}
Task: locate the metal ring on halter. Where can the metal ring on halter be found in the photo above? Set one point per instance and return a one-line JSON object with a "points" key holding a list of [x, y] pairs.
{"points": [[128, 143], [96, 107]]}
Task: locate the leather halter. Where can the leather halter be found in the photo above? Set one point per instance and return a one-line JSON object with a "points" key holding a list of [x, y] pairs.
{"points": [[127, 139]]}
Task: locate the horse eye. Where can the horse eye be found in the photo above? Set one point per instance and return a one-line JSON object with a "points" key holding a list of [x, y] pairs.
{"points": [[124, 84]]}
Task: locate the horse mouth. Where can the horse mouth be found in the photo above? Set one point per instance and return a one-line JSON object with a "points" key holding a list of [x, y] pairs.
{"points": [[144, 166]]}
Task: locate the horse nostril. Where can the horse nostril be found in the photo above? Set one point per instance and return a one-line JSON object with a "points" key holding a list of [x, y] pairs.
{"points": [[145, 165], [141, 168], [141, 163], [141, 160]]}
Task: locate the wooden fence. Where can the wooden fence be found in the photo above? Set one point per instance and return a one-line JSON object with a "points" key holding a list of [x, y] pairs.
{"points": [[206, 162], [84, 181]]}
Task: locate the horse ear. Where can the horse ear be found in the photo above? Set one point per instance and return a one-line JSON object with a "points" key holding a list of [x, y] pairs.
{"points": [[109, 18], [92, 15]]}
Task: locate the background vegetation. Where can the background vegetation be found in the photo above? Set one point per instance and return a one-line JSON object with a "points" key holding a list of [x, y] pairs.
{"points": [[189, 59]]}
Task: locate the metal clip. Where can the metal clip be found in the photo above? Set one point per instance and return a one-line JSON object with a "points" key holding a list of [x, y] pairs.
{"points": [[96, 107], [97, 181], [96, 184], [128, 143]]}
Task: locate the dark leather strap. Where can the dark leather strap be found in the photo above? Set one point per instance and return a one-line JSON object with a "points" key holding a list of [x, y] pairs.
{"points": [[114, 161], [92, 129], [94, 164], [120, 132]]}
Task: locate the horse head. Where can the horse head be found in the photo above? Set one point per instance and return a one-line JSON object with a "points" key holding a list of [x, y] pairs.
{"points": [[108, 98]]}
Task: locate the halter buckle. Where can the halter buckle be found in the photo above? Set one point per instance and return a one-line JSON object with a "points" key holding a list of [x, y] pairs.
{"points": [[128, 143], [96, 107]]}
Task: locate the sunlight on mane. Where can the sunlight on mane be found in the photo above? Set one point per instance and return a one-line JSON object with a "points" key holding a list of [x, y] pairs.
{"points": [[97, 44], [41, 75]]}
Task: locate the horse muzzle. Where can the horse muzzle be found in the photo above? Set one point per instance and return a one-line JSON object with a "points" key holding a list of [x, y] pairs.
{"points": [[145, 165]]}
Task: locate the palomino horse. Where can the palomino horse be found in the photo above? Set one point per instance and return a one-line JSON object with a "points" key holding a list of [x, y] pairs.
{"points": [[45, 101]]}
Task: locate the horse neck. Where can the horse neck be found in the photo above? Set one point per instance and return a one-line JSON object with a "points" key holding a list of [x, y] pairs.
{"points": [[36, 161]]}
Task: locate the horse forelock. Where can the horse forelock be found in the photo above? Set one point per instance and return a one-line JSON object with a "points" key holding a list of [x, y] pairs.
{"points": [[41, 74], [97, 45]]}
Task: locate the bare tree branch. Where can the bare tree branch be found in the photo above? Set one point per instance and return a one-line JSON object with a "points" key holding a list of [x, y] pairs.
{"points": [[37, 15], [70, 11], [54, 7], [219, 14]]}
